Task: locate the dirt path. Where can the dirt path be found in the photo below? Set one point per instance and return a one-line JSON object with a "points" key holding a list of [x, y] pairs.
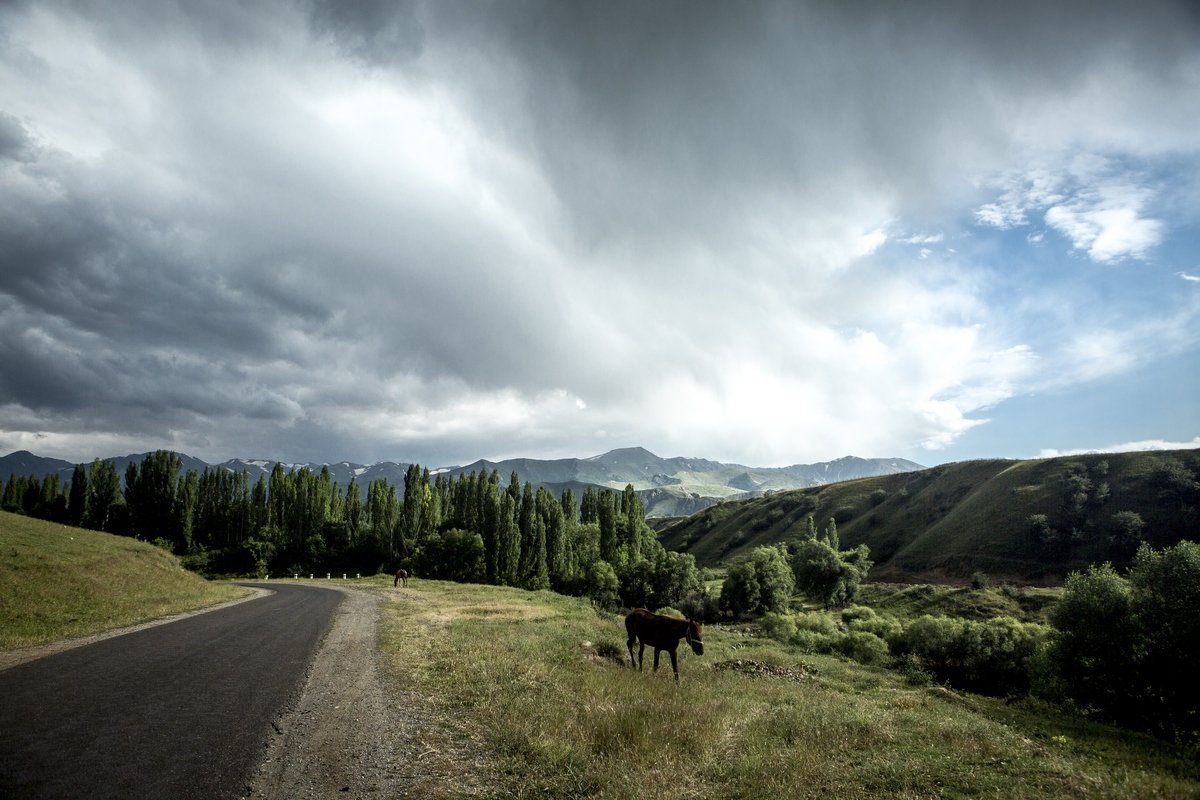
{"points": [[355, 733]]}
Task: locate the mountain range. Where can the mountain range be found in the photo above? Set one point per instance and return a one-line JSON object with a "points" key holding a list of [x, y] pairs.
{"points": [[668, 486]]}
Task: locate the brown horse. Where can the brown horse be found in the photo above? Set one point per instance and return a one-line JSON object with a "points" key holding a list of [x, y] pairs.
{"points": [[401, 577], [661, 633]]}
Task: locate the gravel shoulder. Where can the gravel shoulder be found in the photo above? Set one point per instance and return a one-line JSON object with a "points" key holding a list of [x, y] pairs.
{"points": [[354, 731]]}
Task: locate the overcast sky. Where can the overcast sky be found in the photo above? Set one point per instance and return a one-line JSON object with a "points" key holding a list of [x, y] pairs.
{"points": [[768, 233]]}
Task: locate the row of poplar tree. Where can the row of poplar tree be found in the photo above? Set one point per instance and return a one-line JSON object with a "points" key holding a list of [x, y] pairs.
{"points": [[471, 527]]}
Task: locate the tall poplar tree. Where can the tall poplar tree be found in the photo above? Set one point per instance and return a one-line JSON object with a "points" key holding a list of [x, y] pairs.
{"points": [[187, 495], [509, 541], [77, 499], [635, 517], [104, 493], [150, 496]]}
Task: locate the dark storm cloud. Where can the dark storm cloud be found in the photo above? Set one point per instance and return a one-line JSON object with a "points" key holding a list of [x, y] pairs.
{"points": [[374, 31], [15, 143], [286, 225], [687, 119]]}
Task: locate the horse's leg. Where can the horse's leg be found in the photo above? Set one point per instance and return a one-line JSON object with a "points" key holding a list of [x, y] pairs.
{"points": [[641, 654], [629, 643], [674, 665], [657, 653]]}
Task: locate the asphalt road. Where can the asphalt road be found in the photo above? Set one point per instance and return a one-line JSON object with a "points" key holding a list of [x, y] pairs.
{"points": [[182, 710]]}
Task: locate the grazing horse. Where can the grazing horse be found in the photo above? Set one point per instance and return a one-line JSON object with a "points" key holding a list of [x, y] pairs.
{"points": [[661, 633], [401, 577]]}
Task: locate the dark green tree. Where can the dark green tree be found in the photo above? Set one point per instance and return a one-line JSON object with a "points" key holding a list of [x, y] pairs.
{"points": [[762, 583], [509, 542], [1129, 530], [606, 515], [525, 517], [187, 495], [1093, 652], [77, 499], [104, 495], [53, 500], [601, 585], [1165, 600], [635, 517], [150, 496], [824, 574]]}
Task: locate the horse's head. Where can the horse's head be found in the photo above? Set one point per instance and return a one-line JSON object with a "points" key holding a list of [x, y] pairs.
{"points": [[695, 637]]}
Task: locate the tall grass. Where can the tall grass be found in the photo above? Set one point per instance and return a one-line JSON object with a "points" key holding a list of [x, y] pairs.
{"points": [[533, 677], [58, 582]]}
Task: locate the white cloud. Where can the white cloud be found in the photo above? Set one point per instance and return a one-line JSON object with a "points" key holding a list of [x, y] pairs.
{"points": [[1097, 206], [1152, 445], [1108, 229], [868, 243], [1188, 277], [1002, 215], [924, 238]]}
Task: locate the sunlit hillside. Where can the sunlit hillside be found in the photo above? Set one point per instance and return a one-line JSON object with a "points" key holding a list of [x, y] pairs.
{"points": [[1026, 521]]}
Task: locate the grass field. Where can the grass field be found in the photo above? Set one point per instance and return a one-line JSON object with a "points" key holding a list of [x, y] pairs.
{"points": [[58, 582], [538, 679], [536, 688]]}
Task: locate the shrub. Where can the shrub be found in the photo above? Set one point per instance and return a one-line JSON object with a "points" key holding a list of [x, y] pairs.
{"points": [[912, 669], [887, 628], [816, 622], [863, 647], [780, 627], [700, 606], [813, 642], [989, 657], [858, 613], [606, 648]]}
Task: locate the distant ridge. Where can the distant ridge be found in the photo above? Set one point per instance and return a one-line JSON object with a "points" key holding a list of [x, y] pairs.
{"points": [[947, 522], [668, 486]]}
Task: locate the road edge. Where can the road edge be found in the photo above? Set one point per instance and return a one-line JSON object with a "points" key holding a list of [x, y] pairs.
{"points": [[13, 658]]}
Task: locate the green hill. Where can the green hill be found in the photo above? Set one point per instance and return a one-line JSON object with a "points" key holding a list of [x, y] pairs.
{"points": [[58, 582], [946, 523]]}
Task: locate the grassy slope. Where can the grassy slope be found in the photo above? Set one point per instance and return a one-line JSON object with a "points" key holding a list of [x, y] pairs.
{"points": [[909, 601], [529, 676], [58, 582], [946, 522]]}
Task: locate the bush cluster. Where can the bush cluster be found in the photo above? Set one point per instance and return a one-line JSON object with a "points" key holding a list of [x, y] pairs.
{"points": [[1126, 646], [1121, 648]]}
